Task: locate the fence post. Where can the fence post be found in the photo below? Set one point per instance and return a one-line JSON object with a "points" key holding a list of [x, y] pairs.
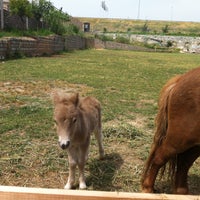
{"points": [[2, 15]]}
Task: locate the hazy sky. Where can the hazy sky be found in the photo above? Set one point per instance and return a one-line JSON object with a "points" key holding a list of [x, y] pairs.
{"points": [[175, 10]]}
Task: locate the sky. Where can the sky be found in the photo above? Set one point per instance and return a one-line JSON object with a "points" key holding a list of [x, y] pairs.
{"points": [[169, 10]]}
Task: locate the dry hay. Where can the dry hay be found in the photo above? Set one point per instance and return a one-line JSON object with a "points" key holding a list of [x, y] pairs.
{"points": [[11, 92]]}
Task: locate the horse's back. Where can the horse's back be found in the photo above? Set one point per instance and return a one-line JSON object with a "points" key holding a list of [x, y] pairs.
{"points": [[185, 97], [184, 106]]}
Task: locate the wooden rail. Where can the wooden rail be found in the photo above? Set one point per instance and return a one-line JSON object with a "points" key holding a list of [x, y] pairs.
{"points": [[23, 193]]}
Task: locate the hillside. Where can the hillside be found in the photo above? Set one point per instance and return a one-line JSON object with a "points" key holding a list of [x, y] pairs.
{"points": [[141, 26]]}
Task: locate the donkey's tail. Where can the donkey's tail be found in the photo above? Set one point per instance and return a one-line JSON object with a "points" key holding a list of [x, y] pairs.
{"points": [[161, 121]]}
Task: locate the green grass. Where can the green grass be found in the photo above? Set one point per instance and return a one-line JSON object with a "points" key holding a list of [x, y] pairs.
{"points": [[29, 33], [127, 84], [137, 26]]}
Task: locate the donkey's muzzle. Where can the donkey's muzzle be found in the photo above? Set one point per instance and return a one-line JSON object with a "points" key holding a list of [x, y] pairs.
{"points": [[65, 145]]}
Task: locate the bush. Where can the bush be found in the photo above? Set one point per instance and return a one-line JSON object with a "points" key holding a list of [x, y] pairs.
{"points": [[104, 30], [169, 43], [103, 37], [165, 29], [145, 28], [122, 40], [72, 29]]}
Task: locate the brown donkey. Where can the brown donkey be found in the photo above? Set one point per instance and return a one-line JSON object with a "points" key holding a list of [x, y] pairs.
{"points": [[76, 118], [177, 136]]}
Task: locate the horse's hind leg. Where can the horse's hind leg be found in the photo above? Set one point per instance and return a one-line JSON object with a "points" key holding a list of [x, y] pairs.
{"points": [[184, 162], [159, 158], [99, 138]]}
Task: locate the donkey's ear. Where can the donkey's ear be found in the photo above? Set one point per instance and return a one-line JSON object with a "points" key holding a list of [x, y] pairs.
{"points": [[75, 99]]}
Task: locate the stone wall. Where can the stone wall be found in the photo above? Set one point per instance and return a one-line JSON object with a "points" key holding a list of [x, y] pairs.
{"points": [[75, 42], [38, 46]]}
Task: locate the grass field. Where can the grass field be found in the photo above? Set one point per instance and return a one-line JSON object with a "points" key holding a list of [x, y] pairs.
{"points": [[137, 26], [127, 84]]}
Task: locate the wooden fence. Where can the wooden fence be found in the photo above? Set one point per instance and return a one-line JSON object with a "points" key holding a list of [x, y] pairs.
{"points": [[22, 193]]}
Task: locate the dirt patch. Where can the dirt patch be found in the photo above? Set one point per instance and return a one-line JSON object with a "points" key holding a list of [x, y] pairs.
{"points": [[138, 122], [15, 93], [143, 102], [40, 88]]}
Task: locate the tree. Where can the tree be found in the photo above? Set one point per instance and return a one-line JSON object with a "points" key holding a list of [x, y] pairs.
{"points": [[41, 9], [54, 18], [22, 8]]}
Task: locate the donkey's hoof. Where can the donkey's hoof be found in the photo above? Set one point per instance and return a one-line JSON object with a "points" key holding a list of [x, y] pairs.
{"points": [[82, 186], [68, 186], [101, 155]]}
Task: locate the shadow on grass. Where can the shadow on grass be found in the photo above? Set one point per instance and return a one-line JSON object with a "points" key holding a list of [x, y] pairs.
{"points": [[193, 183], [166, 187], [102, 172]]}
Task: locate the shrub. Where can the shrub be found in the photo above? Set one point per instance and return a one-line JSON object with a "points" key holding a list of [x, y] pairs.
{"points": [[145, 28], [122, 40], [165, 29]]}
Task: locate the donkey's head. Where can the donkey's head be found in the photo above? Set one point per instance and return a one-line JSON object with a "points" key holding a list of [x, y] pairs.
{"points": [[65, 116]]}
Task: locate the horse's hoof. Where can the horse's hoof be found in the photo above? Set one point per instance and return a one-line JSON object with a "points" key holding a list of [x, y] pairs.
{"points": [[148, 190], [181, 190]]}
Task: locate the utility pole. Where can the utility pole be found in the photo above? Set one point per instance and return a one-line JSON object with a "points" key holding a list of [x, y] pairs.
{"points": [[138, 16], [2, 15]]}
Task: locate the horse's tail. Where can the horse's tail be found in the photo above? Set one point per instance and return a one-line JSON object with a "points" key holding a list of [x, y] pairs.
{"points": [[161, 122]]}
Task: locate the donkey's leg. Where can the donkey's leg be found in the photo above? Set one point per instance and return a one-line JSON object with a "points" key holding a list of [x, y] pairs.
{"points": [[184, 162], [99, 138], [160, 158], [71, 177], [83, 156], [82, 184]]}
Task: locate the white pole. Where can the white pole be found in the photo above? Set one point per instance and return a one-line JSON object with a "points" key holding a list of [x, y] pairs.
{"points": [[138, 10]]}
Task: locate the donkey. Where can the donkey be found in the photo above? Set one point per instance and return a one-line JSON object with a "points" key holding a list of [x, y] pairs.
{"points": [[76, 118]]}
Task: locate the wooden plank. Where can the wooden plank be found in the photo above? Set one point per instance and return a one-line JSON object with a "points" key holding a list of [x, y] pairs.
{"points": [[22, 193]]}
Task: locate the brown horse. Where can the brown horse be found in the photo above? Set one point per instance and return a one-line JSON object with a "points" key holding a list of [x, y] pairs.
{"points": [[76, 118], [177, 135]]}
